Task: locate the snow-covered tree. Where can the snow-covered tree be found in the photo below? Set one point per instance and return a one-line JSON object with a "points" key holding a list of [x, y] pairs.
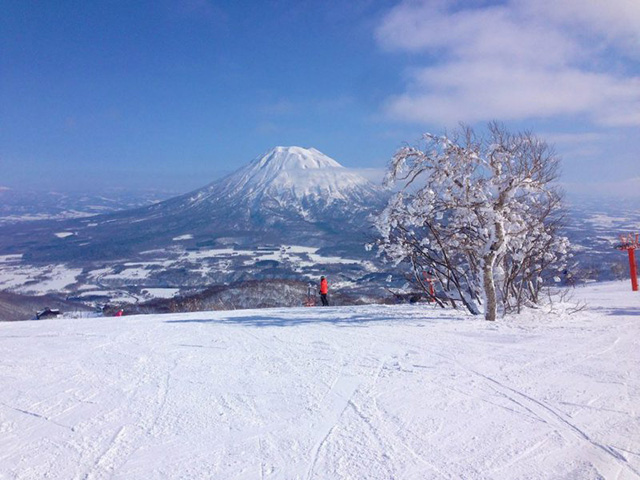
{"points": [[479, 214]]}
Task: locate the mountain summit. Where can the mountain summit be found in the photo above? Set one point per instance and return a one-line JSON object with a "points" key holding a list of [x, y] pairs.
{"points": [[279, 158]]}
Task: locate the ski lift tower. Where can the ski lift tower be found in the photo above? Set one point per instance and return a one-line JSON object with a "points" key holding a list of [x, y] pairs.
{"points": [[630, 243]]}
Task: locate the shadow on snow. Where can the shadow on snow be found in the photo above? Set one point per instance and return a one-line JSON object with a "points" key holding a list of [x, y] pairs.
{"points": [[334, 317], [627, 311]]}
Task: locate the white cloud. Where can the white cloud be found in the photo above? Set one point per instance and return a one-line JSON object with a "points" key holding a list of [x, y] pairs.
{"points": [[518, 60], [475, 32], [616, 20]]}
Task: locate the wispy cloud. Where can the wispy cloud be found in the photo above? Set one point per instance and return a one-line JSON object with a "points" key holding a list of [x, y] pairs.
{"points": [[516, 60]]}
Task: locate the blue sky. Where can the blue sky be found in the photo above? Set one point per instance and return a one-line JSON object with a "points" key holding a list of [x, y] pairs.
{"points": [[175, 93]]}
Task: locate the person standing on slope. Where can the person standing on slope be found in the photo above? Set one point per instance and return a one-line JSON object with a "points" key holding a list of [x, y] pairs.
{"points": [[324, 289]]}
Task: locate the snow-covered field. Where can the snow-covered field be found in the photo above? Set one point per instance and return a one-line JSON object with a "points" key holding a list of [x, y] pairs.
{"points": [[28, 279], [374, 392], [20, 277]]}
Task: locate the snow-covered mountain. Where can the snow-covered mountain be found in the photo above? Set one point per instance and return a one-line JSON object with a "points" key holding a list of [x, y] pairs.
{"points": [[289, 195], [294, 175], [284, 186]]}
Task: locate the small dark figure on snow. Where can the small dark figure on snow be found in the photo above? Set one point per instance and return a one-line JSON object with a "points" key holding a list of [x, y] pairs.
{"points": [[324, 290]]}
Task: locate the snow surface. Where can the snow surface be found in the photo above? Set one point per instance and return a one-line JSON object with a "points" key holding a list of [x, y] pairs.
{"points": [[187, 236], [371, 392], [607, 221], [10, 258], [66, 215], [299, 256], [129, 273], [161, 292], [36, 280]]}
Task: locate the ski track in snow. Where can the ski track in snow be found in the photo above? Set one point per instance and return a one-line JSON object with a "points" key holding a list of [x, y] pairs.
{"points": [[406, 392]]}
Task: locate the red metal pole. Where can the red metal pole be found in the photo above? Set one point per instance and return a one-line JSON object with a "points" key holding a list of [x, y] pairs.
{"points": [[632, 269]]}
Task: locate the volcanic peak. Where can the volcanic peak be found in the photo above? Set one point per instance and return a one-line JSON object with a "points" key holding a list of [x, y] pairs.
{"points": [[289, 158]]}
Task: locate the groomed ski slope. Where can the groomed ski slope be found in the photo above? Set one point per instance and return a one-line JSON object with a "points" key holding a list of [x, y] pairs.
{"points": [[403, 392]]}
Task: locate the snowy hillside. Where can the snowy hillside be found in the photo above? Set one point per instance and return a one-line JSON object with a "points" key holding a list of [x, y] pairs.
{"points": [[406, 392]]}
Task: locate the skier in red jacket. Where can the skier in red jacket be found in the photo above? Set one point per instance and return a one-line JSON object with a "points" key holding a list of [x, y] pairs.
{"points": [[324, 289]]}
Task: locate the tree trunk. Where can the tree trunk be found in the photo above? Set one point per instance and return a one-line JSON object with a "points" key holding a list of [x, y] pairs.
{"points": [[489, 285], [491, 303]]}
